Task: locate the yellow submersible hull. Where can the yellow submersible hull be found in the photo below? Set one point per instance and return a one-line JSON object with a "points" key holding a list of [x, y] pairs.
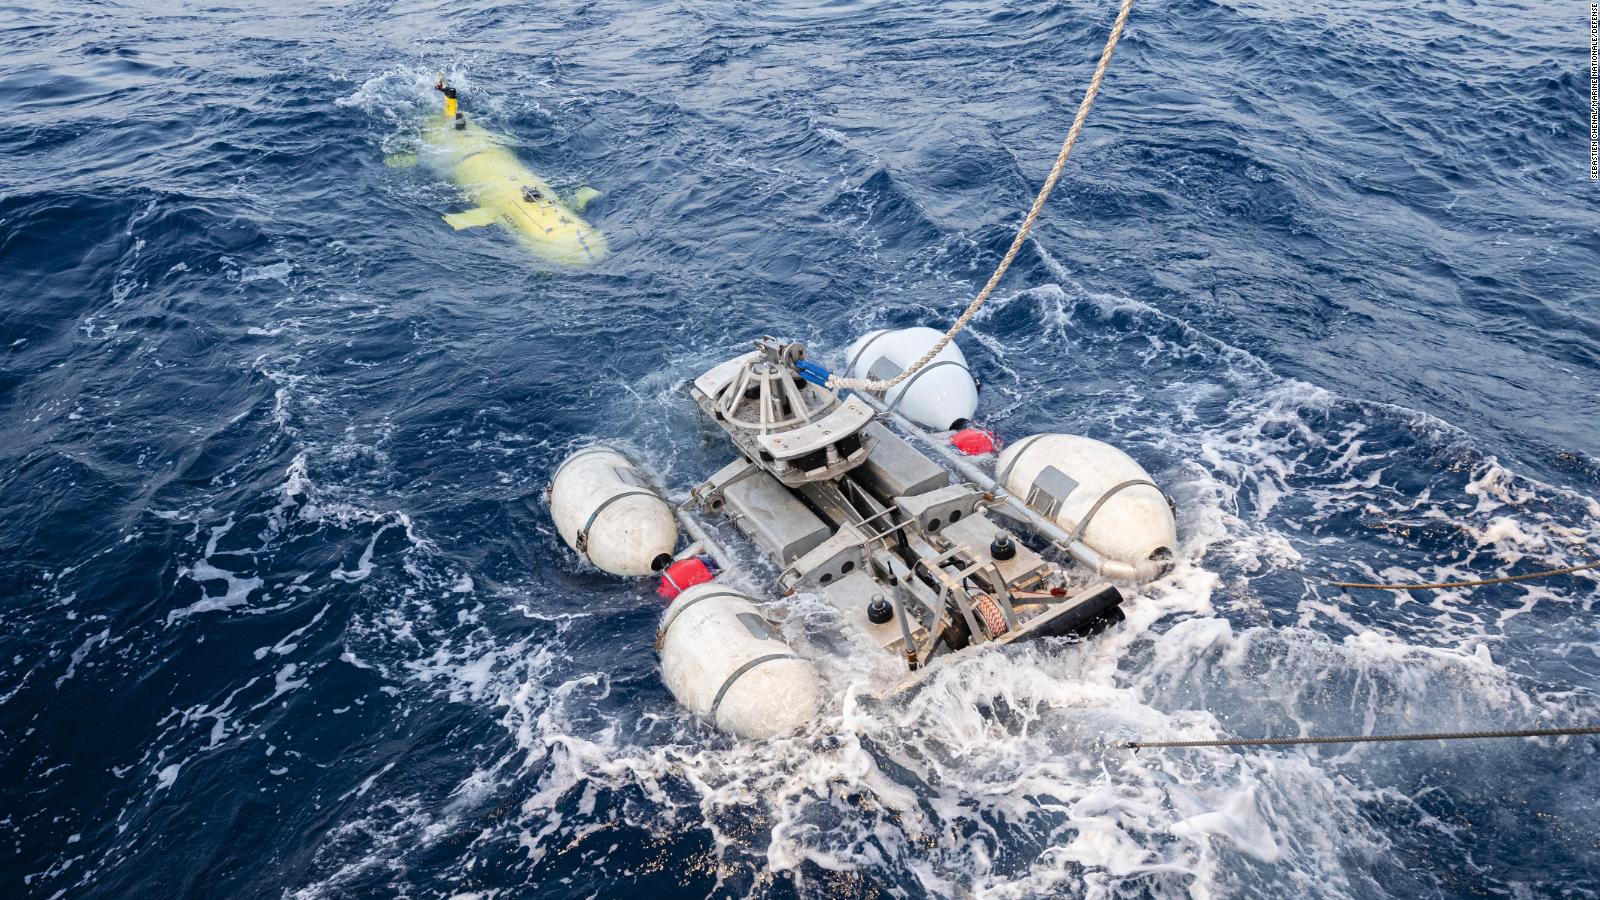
{"points": [[504, 191]]}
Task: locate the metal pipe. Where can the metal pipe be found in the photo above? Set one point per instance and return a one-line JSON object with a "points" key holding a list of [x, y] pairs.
{"points": [[1011, 506], [698, 535], [905, 627]]}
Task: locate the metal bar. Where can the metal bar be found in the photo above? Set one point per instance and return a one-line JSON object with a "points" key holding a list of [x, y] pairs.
{"points": [[951, 590], [910, 647], [903, 577], [698, 535], [935, 635], [1369, 738], [1015, 509], [1002, 595]]}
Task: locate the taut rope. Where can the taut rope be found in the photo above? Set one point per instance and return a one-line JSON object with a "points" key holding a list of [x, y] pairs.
{"points": [[867, 384]]}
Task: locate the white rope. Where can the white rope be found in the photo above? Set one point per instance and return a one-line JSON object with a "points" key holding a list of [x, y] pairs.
{"points": [[866, 384]]}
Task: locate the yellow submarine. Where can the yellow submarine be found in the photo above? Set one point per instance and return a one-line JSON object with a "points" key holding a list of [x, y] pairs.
{"points": [[505, 191]]}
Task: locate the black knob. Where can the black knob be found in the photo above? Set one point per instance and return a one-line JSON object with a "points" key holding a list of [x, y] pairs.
{"points": [[879, 611], [1003, 549]]}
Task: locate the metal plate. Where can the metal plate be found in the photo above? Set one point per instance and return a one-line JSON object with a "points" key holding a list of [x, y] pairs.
{"points": [[883, 369], [850, 596], [976, 533], [712, 382], [773, 517], [1050, 489], [757, 626], [849, 418], [895, 469]]}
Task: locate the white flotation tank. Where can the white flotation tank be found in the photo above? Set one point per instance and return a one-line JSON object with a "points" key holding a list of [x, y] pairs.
{"points": [[723, 661], [939, 396], [608, 512], [1070, 478]]}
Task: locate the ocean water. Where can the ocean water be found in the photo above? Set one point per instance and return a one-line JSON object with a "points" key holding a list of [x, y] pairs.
{"points": [[282, 613]]}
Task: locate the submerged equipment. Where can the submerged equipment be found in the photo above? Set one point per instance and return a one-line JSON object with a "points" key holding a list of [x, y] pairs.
{"points": [[846, 509], [504, 191]]}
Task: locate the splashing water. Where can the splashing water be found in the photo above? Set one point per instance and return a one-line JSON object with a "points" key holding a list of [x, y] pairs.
{"points": [[288, 616]]}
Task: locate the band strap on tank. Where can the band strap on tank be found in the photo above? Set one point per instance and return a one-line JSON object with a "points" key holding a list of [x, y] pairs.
{"points": [[583, 533], [1018, 450], [739, 673], [1083, 524], [864, 348], [661, 636], [905, 387], [587, 451]]}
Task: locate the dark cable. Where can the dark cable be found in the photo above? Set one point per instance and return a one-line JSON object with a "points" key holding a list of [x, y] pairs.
{"points": [[1443, 585], [1367, 738]]}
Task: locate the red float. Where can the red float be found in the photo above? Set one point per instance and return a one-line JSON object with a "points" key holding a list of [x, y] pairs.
{"points": [[685, 574], [974, 441]]}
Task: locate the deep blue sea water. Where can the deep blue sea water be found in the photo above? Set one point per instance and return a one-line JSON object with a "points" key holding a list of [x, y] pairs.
{"points": [[282, 613]]}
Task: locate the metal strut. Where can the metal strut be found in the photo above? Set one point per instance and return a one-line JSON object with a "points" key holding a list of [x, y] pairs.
{"points": [[1011, 506]]}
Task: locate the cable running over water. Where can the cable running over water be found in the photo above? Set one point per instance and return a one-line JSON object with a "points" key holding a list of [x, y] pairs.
{"points": [[838, 383]]}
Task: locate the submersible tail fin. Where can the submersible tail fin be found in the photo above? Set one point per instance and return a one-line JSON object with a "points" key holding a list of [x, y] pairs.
{"points": [[449, 93], [582, 196], [451, 108], [472, 218]]}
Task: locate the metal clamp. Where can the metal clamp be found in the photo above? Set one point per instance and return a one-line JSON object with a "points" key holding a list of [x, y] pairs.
{"points": [[739, 673], [587, 451], [583, 533], [661, 635], [1016, 456], [849, 367], [1083, 524], [1050, 490], [905, 386]]}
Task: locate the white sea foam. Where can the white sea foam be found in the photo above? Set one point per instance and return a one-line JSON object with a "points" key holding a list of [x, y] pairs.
{"points": [[998, 748], [999, 775], [82, 653], [278, 271], [236, 588]]}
